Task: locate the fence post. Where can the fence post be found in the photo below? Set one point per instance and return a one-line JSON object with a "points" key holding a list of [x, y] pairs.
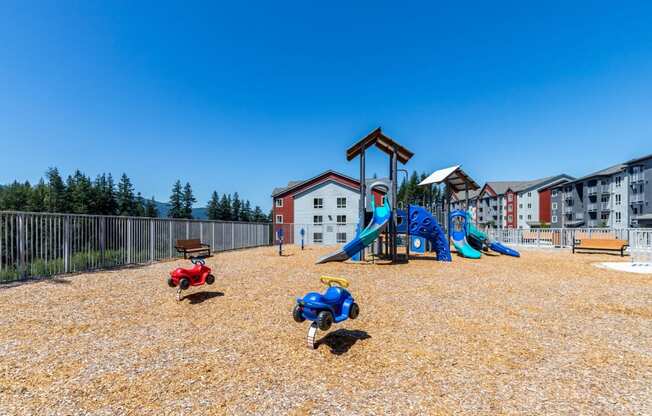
{"points": [[187, 229], [170, 239], [128, 240], [201, 232], [151, 240], [102, 240], [21, 245], [232, 236], [212, 236], [66, 244]]}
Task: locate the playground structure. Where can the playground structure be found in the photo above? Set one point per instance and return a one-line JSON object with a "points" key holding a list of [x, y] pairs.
{"points": [[198, 275]]}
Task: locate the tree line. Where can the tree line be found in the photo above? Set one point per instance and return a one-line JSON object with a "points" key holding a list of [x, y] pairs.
{"points": [[411, 193], [79, 194]]}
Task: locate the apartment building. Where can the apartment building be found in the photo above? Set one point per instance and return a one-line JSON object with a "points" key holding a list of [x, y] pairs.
{"points": [[616, 197], [516, 204]]}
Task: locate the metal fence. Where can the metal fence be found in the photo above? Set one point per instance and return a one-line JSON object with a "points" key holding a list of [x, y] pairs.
{"points": [[316, 234], [564, 237], [43, 244]]}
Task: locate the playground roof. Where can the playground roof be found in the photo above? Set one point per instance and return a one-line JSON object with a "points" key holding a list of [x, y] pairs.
{"points": [[384, 143], [454, 177]]}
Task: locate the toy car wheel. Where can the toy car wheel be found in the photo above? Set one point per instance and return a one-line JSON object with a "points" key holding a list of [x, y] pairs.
{"points": [[184, 283], [354, 311], [297, 314], [210, 279], [171, 282], [324, 320]]}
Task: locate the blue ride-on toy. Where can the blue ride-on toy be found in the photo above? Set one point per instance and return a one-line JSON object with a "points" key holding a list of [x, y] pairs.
{"points": [[333, 306]]}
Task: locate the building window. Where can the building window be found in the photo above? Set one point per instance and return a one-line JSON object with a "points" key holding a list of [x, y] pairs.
{"points": [[554, 206], [279, 202], [604, 215], [529, 205], [341, 202], [520, 217], [509, 208], [618, 198], [510, 197], [318, 220], [318, 237], [520, 206], [318, 203], [554, 218], [279, 219], [529, 217], [554, 193], [341, 219], [510, 218], [529, 194], [341, 237], [618, 181]]}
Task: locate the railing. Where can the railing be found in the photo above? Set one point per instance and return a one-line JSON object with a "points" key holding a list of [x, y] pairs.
{"points": [[636, 198], [637, 177], [592, 206], [42, 244], [568, 210], [604, 206], [592, 190], [640, 245], [605, 189], [564, 237], [593, 223], [326, 233]]}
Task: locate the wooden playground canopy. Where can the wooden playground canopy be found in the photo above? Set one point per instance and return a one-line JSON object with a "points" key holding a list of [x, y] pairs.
{"points": [[383, 142], [454, 177]]}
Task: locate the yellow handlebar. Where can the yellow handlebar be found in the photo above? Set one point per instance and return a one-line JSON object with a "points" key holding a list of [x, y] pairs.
{"points": [[328, 280]]}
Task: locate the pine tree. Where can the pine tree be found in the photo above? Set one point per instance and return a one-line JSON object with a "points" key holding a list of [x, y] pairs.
{"points": [[16, 196], [56, 199], [258, 215], [109, 197], [140, 206], [213, 207], [246, 213], [38, 197], [150, 208], [176, 201], [224, 210], [125, 197], [236, 208], [187, 201]]}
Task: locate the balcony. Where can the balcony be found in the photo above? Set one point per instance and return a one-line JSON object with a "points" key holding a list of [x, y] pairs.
{"points": [[605, 189], [592, 190], [579, 216], [593, 223], [568, 195], [592, 207], [605, 206], [636, 198], [637, 177], [568, 210]]}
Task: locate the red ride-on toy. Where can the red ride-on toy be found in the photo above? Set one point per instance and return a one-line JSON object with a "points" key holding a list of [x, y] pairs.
{"points": [[182, 279]]}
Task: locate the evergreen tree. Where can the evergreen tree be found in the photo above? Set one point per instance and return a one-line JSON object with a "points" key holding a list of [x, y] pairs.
{"points": [[56, 197], [258, 215], [236, 208], [246, 213], [125, 197], [109, 197], [150, 209], [140, 205], [38, 197], [176, 201], [213, 207], [224, 210], [187, 201], [16, 196], [79, 193]]}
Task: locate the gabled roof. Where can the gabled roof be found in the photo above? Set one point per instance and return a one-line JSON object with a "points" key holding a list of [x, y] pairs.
{"points": [[292, 185], [383, 142], [603, 172], [639, 159], [454, 177], [501, 187]]}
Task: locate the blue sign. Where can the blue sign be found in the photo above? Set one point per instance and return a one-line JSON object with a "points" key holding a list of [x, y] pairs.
{"points": [[418, 245], [302, 232], [279, 233]]}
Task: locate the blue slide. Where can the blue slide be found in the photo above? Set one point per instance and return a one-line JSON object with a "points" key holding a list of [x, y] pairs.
{"points": [[364, 238], [457, 226], [479, 240]]}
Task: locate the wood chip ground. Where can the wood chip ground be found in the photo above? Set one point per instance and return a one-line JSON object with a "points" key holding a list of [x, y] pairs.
{"points": [[544, 334]]}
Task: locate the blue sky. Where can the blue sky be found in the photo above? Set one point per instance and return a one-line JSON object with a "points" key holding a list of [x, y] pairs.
{"points": [[244, 96]]}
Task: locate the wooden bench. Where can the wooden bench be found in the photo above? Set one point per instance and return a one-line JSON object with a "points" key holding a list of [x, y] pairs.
{"points": [[601, 245], [193, 248]]}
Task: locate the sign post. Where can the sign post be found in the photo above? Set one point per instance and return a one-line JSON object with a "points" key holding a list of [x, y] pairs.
{"points": [[279, 237], [303, 234]]}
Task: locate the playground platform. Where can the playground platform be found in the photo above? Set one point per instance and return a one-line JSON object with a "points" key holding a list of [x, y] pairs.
{"points": [[548, 333]]}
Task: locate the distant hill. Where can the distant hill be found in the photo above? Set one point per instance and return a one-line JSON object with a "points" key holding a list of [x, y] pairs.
{"points": [[197, 213]]}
